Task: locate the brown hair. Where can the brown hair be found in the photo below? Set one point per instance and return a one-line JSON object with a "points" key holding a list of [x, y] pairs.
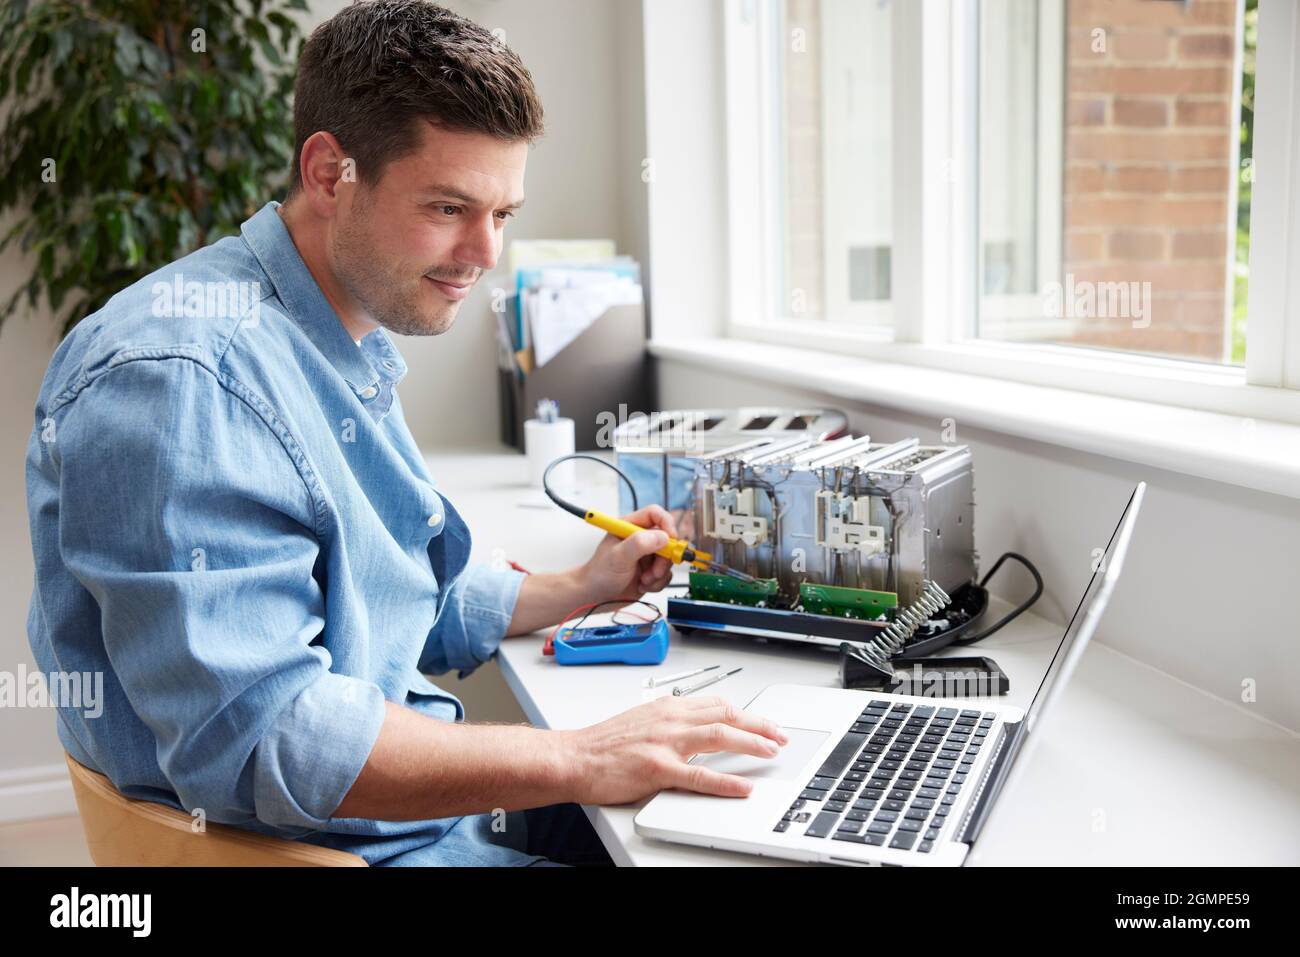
{"points": [[371, 72]]}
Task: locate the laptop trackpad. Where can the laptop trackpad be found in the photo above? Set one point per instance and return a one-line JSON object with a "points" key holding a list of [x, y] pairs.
{"points": [[788, 764]]}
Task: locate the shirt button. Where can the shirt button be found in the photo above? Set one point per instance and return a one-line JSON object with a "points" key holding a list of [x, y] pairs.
{"points": [[434, 519], [369, 392]]}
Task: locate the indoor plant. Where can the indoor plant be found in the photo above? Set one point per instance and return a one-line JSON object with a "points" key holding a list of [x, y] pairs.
{"points": [[134, 132]]}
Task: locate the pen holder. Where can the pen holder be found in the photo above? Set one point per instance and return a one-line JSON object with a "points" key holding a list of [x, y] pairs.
{"points": [[544, 442]]}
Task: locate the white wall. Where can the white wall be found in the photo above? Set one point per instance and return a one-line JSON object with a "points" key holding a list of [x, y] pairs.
{"points": [[684, 116], [583, 181], [27, 736]]}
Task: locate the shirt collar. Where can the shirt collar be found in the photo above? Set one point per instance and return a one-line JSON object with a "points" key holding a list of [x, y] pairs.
{"points": [[367, 369]]}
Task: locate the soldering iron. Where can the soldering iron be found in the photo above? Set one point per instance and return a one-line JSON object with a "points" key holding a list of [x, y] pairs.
{"points": [[676, 551]]}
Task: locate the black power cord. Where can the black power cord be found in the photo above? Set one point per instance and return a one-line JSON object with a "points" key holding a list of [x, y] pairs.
{"points": [[857, 670], [623, 606], [1015, 612], [569, 506]]}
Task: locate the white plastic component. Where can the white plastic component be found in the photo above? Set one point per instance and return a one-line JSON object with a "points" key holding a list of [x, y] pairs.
{"points": [[732, 516], [844, 524]]}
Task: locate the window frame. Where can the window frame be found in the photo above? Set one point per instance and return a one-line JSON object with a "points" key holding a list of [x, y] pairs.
{"points": [[1019, 315], [935, 251], [837, 227]]}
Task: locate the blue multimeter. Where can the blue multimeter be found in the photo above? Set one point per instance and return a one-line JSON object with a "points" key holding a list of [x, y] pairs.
{"points": [[643, 643]]}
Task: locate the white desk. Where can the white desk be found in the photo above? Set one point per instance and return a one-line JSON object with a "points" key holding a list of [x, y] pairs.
{"points": [[1135, 767]]}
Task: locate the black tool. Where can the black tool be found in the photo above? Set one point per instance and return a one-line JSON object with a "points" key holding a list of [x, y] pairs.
{"points": [[958, 677]]}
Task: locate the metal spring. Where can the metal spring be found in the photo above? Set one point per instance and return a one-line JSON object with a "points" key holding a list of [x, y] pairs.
{"points": [[891, 641]]}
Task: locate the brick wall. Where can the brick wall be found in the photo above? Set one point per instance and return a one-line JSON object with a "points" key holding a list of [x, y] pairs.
{"points": [[1148, 165]]}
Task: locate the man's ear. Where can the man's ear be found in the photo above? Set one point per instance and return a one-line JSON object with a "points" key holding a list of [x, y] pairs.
{"points": [[325, 170]]}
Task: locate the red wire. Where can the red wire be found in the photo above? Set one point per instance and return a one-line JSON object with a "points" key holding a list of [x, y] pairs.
{"points": [[548, 647]]}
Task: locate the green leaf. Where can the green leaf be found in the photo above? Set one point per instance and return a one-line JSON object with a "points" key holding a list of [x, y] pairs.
{"points": [[62, 46], [158, 111], [269, 51], [46, 267], [89, 250], [114, 221], [125, 56]]}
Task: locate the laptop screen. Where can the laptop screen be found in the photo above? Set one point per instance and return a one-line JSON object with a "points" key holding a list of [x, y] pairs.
{"points": [[1083, 624]]}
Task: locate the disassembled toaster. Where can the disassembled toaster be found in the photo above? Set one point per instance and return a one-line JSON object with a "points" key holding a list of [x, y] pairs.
{"points": [[847, 540]]}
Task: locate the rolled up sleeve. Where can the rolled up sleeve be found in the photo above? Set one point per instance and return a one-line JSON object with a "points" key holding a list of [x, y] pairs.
{"points": [[472, 620], [309, 757], [187, 517]]}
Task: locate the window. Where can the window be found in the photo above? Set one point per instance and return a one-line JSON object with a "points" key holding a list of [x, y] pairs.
{"points": [[1114, 170], [1056, 191], [831, 152], [1019, 166]]}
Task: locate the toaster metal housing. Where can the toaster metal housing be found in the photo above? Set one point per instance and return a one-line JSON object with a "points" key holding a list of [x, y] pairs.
{"points": [[831, 523]]}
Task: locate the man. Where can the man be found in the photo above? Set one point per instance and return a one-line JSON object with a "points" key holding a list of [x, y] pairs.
{"points": [[231, 520]]}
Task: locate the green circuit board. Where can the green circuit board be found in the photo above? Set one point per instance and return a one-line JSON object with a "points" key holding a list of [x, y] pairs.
{"points": [[847, 602], [731, 591]]}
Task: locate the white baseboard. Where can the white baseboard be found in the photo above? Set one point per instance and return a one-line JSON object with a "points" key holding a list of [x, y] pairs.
{"points": [[27, 794]]}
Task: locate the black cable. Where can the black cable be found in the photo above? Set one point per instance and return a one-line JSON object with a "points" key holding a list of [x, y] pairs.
{"points": [[614, 619], [569, 506], [687, 556], [1018, 610]]}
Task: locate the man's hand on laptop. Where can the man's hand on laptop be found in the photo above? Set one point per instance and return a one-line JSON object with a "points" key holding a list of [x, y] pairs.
{"points": [[645, 749]]}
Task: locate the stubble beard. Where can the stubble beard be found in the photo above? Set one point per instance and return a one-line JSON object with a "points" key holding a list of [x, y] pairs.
{"points": [[398, 305]]}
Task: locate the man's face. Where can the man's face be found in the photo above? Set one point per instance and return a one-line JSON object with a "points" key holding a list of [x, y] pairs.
{"points": [[410, 247]]}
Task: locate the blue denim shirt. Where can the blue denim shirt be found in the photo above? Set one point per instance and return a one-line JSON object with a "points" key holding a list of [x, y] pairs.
{"points": [[232, 522]]}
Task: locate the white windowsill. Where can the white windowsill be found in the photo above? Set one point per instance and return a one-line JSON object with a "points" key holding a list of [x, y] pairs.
{"points": [[1257, 454], [1141, 378]]}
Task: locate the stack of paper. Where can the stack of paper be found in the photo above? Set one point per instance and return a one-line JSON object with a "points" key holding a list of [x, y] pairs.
{"points": [[563, 286]]}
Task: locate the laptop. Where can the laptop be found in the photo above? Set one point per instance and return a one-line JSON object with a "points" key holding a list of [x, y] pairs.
{"points": [[874, 778]]}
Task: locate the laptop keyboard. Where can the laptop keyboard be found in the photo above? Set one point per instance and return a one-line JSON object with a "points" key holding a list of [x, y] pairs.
{"points": [[893, 779]]}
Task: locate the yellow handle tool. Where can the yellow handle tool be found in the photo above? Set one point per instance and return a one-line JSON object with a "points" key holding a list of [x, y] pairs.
{"points": [[677, 550]]}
